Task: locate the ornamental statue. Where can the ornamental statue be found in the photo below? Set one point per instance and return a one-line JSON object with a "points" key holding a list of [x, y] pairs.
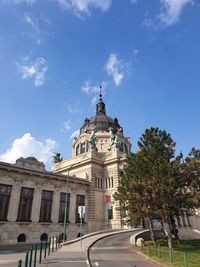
{"points": [[93, 140], [113, 141]]}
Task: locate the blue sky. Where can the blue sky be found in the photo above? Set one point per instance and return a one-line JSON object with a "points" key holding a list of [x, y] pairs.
{"points": [[54, 55]]}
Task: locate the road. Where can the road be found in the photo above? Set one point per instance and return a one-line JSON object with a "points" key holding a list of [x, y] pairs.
{"points": [[114, 251]]}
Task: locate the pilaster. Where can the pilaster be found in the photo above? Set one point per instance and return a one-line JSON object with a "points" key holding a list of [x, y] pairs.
{"points": [[14, 203]]}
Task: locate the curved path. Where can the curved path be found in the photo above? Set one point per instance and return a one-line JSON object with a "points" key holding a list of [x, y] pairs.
{"points": [[114, 251]]}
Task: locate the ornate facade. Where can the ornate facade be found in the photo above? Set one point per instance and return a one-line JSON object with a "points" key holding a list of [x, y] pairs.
{"points": [[98, 155], [32, 202]]}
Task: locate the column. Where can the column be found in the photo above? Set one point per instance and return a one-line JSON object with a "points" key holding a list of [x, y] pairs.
{"points": [[14, 203], [55, 206], [35, 215], [72, 209]]}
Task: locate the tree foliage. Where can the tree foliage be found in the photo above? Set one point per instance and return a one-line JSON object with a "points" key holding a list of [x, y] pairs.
{"points": [[57, 157], [156, 183]]}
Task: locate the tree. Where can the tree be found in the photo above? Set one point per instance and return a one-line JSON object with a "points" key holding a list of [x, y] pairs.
{"points": [[190, 172], [57, 157], [152, 183]]}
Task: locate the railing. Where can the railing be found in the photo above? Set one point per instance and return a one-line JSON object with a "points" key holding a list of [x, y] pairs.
{"points": [[38, 251]]}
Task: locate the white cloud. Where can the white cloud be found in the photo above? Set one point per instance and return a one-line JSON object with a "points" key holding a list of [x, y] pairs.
{"points": [[169, 14], [74, 134], [115, 68], [28, 146], [172, 10], [33, 69], [33, 22], [66, 126], [94, 90], [37, 25], [84, 6]]}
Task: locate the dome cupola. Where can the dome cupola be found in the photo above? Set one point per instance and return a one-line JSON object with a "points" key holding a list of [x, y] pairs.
{"points": [[101, 121]]}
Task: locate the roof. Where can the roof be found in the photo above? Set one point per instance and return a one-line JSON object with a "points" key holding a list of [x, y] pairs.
{"points": [[101, 121]]}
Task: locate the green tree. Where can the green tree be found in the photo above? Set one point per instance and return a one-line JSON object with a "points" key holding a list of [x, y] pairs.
{"points": [[151, 186], [57, 157], [190, 173]]}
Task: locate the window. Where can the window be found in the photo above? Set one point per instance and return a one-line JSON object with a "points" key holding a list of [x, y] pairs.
{"points": [[44, 237], [82, 148], [80, 201], [87, 146], [5, 193], [96, 182], [25, 205], [121, 148], [77, 150], [46, 205], [101, 183], [112, 182], [183, 218], [21, 238], [62, 207], [110, 213], [108, 182]]}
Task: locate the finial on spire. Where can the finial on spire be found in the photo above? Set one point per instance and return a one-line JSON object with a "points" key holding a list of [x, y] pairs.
{"points": [[100, 94], [100, 106]]}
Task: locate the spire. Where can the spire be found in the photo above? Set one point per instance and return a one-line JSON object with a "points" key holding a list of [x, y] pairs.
{"points": [[100, 94], [100, 106]]}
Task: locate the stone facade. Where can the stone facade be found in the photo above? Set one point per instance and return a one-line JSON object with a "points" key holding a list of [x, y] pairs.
{"points": [[29, 173], [98, 155]]}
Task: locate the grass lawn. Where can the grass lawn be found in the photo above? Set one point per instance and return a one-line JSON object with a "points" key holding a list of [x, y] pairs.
{"points": [[191, 247]]}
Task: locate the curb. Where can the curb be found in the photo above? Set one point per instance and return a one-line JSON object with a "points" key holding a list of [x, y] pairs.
{"points": [[66, 243]]}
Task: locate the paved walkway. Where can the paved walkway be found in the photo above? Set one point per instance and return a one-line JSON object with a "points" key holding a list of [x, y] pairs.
{"points": [[71, 255]]}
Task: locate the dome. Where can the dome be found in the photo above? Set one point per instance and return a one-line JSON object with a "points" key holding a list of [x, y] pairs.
{"points": [[101, 122]]}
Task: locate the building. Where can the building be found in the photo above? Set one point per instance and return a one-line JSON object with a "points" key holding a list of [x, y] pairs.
{"points": [[98, 155], [32, 202]]}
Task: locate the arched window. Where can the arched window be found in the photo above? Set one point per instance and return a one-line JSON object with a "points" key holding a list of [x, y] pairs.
{"points": [[98, 182], [112, 182], [77, 150], [21, 238], [106, 183], [79, 235], [82, 148], [44, 237]]}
